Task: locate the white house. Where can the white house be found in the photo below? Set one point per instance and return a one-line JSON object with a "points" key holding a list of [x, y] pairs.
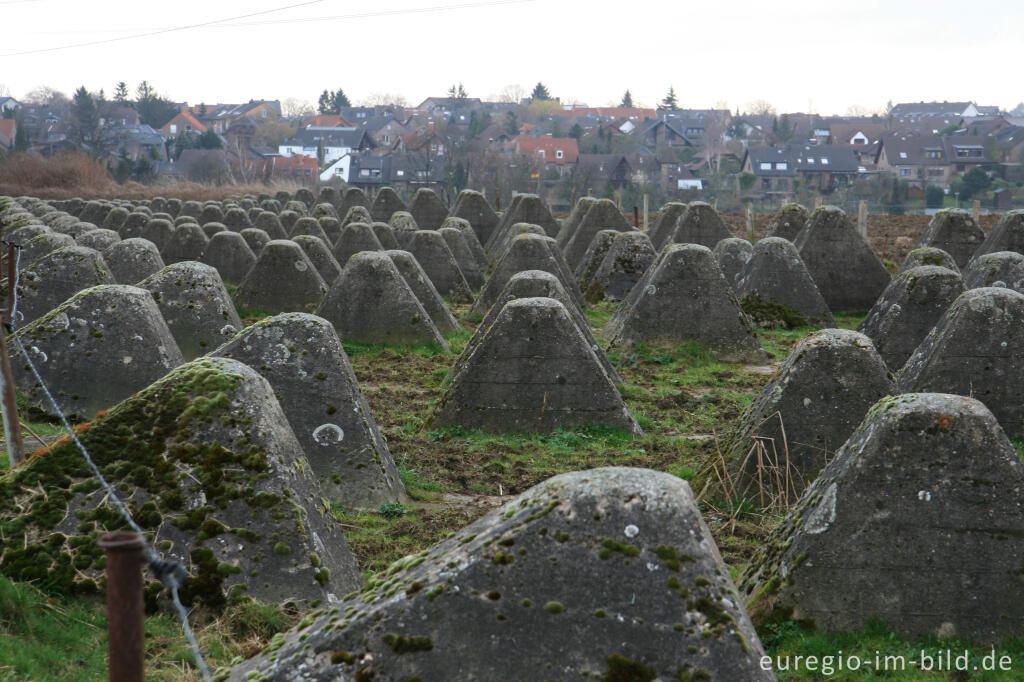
{"points": [[338, 169], [327, 145]]}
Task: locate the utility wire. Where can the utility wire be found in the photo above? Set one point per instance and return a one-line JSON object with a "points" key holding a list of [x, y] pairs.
{"points": [[170, 573], [234, 23], [161, 31]]}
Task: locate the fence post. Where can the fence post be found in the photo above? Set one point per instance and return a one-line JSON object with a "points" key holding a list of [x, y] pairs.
{"points": [[862, 218], [125, 652], [645, 213], [750, 223], [976, 209], [8, 398], [636, 217]]}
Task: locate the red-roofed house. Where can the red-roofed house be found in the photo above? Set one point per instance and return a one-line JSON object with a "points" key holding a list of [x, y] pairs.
{"points": [[183, 122], [329, 121], [8, 128], [555, 151]]}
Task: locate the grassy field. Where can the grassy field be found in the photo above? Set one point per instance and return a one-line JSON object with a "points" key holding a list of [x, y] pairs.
{"points": [[685, 400]]}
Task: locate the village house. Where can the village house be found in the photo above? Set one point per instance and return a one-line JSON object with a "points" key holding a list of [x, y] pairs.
{"points": [[930, 159], [222, 116], [325, 145], [554, 152], [825, 168], [182, 123]]}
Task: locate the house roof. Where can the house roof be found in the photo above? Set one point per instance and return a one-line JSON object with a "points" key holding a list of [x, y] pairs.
{"points": [[930, 109], [549, 147], [139, 134], [632, 113], [803, 158], [843, 133], [188, 118], [352, 139], [329, 121]]}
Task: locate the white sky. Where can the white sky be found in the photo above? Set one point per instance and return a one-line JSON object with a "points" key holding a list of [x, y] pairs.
{"points": [[799, 55]]}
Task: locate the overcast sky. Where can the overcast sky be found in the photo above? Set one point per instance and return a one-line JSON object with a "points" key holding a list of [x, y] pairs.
{"points": [[800, 55]]}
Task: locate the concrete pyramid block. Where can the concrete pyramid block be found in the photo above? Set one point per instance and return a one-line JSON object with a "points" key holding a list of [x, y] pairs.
{"points": [[700, 224], [908, 309], [207, 463], [526, 252], [386, 204], [96, 349], [625, 263], [437, 260], [256, 239], [356, 237], [271, 224], [536, 284], [732, 255], [329, 195], [310, 226], [803, 416], [908, 524], [1007, 235], [428, 209], [237, 219], [331, 227], [195, 305], [282, 280], [306, 196], [570, 224], [787, 222], [323, 209], [98, 239], [115, 218], [186, 243], [174, 206], [354, 196], [94, 212], [54, 278], [928, 255], [132, 260], [533, 371], [191, 208], [975, 349], [775, 288], [320, 256], [288, 219], [594, 256], [472, 242], [21, 235], [463, 257], [527, 208], [665, 223], [500, 244], [620, 554], [956, 232], [847, 272], [602, 215], [301, 357], [210, 213], [133, 225], [158, 231], [230, 255], [184, 220], [404, 226], [686, 298], [372, 303], [385, 235], [997, 269], [424, 290], [473, 207], [357, 214]]}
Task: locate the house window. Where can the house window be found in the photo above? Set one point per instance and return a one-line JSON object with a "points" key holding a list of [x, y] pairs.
{"points": [[824, 161], [904, 172], [174, 129], [932, 154], [400, 173], [810, 160], [559, 154], [903, 155], [264, 112], [541, 152], [781, 165], [765, 165], [936, 172], [385, 139]]}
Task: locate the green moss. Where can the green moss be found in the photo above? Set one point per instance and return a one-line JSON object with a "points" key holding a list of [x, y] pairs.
{"points": [[609, 546], [770, 313], [402, 644], [622, 669], [345, 657], [554, 607]]}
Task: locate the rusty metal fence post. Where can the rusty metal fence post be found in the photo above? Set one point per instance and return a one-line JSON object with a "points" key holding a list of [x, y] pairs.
{"points": [[125, 650]]}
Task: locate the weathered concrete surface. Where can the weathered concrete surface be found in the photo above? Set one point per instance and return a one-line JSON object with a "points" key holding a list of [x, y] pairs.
{"points": [[355, 197], [320, 256], [526, 252], [463, 257], [371, 303], [533, 371], [1007, 235], [996, 269], [975, 349], [569, 225], [804, 414], [847, 272], [133, 260], [95, 350], [908, 309], [98, 239], [788, 221], [55, 277], [685, 298], [665, 223], [424, 290], [700, 224], [404, 226], [282, 280], [913, 522], [628, 258], [208, 464], [355, 237], [385, 204], [776, 288], [310, 226], [732, 255], [928, 255], [956, 232], [470, 237], [196, 306], [428, 209], [594, 256], [230, 255], [186, 243], [619, 554], [256, 239], [385, 235], [301, 357], [602, 215], [438, 261], [271, 224], [527, 208], [472, 207]]}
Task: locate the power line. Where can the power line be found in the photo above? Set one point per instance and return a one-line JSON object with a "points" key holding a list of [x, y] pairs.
{"points": [[224, 23], [161, 31]]}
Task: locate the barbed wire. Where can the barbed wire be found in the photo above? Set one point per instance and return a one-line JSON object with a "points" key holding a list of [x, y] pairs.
{"points": [[170, 573]]}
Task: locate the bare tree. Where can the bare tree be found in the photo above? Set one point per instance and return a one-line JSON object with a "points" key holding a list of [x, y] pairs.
{"points": [[383, 99], [293, 107], [761, 107], [511, 94]]}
